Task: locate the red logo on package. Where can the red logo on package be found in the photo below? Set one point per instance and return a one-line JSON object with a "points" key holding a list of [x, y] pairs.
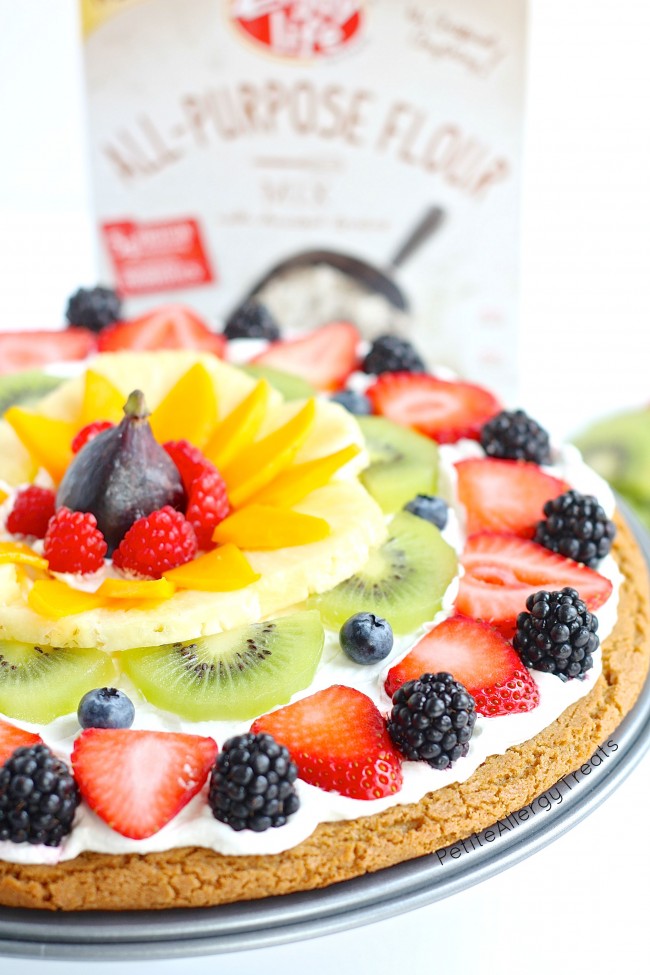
{"points": [[304, 29], [149, 257]]}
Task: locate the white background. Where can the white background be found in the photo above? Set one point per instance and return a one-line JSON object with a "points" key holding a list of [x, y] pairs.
{"points": [[585, 351]]}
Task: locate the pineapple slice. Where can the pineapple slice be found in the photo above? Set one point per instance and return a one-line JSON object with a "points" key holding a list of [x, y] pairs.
{"points": [[287, 576]]}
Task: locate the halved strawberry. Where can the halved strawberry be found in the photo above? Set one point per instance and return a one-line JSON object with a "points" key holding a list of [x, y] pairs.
{"points": [[325, 357], [29, 350], [169, 327], [338, 739], [12, 738], [476, 655], [501, 571], [505, 495], [137, 781], [445, 411]]}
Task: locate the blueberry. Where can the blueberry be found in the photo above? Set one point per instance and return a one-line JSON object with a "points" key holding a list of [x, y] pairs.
{"points": [[430, 508], [366, 638], [105, 707], [355, 403]]}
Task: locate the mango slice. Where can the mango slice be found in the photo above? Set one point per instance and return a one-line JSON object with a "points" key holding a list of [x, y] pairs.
{"points": [[189, 410], [222, 570], [294, 484], [234, 434], [15, 553], [47, 440], [266, 458], [134, 589], [260, 526], [55, 599], [101, 400], [3, 496]]}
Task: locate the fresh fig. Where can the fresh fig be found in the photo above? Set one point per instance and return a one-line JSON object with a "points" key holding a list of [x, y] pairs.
{"points": [[121, 475]]}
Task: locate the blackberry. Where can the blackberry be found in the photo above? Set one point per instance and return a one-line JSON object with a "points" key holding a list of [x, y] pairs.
{"points": [[38, 797], [515, 436], [252, 320], [432, 719], [252, 783], [94, 308], [577, 527], [389, 353], [557, 635]]}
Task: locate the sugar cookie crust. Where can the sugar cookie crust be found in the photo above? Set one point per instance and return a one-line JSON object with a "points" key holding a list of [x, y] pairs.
{"points": [[195, 877]]}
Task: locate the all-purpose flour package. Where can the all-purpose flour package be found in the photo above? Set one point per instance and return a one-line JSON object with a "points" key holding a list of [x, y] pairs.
{"points": [[338, 159]]}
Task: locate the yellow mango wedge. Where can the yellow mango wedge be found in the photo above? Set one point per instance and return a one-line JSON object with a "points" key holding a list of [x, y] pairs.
{"points": [[266, 458], [234, 434], [101, 400], [225, 569], [47, 440], [3, 496], [134, 589], [188, 411], [55, 599], [15, 553], [259, 526], [294, 484]]}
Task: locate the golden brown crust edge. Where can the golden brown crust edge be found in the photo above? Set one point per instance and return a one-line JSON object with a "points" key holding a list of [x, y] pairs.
{"points": [[195, 877]]}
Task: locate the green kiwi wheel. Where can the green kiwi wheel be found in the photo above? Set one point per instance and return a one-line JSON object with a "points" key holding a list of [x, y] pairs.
{"points": [[40, 684], [25, 388], [403, 463], [404, 580], [230, 676], [291, 387]]}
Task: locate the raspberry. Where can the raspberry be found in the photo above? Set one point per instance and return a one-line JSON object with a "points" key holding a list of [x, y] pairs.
{"points": [[89, 432], [32, 510], [207, 506], [74, 543], [152, 545], [189, 460]]}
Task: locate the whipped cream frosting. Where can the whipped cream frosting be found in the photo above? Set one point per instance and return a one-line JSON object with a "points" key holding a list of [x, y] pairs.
{"points": [[196, 826]]}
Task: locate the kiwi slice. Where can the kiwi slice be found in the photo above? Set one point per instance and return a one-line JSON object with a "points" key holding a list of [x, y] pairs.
{"points": [[619, 449], [403, 463], [404, 580], [291, 387], [25, 388], [230, 676], [41, 683]]}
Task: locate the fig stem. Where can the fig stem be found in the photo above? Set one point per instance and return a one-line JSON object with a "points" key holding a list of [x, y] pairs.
{"points": [[135, 405]]}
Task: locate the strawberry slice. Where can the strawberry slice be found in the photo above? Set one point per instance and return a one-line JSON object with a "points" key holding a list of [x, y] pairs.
{"points": [[12, 738], [501, 571], [137, 781], [338, 739], [325, 357], [29, 350], [505, 495], [445, 411], [476, 655], [169, 327]]}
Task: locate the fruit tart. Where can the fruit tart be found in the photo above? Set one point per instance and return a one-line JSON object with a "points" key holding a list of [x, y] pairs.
{"points": [[252, 644]]}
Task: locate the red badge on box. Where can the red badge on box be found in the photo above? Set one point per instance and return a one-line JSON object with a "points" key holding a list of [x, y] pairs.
{"points": [[160, 256]]}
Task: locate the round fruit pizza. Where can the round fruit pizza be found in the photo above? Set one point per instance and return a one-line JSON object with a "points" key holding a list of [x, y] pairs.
{"points": [[264, 629]]}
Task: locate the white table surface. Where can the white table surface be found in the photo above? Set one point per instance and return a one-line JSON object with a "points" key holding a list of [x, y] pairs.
{"points": [[585, 351]]}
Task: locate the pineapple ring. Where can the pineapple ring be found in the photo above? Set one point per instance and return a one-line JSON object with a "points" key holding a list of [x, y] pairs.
{"points": [[287, 576]]}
